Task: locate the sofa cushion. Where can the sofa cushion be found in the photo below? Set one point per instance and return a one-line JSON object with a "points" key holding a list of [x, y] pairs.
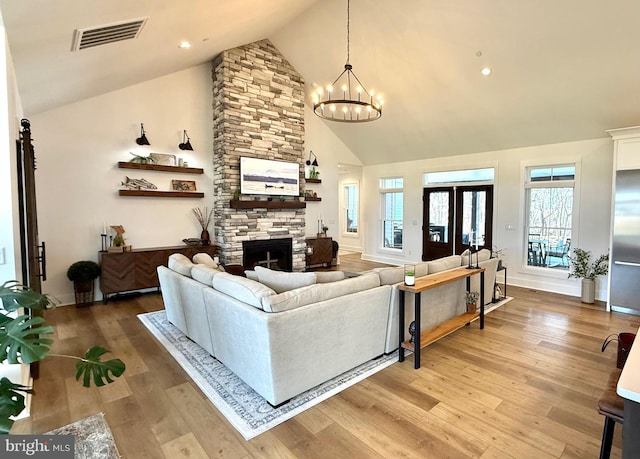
{"points": [[251, 274], [204, 259], [319, 292], [323, 277], [204, 274], [281, 281], [443, 264], [242, 289], [390, 276], [180, 264]]}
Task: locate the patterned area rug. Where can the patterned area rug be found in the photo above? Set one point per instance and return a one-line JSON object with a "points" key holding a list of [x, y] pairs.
{"points": [[247, 411], [93, 439]]}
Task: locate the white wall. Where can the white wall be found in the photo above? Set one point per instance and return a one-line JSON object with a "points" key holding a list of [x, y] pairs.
{"points": [[330, 151], [78, 147], [595, 162], [10, 264]]}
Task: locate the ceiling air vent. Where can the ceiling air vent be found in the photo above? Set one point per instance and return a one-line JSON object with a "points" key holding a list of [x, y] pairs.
{"points": [[108, 33]]}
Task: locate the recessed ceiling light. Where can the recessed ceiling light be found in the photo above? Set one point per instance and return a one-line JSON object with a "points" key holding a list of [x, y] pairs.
{"points": [[185, 44], [486, 71]]}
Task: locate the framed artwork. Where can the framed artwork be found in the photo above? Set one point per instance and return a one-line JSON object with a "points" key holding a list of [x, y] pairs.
{"points": [[183, 185], [163, 160], [264, 176]]}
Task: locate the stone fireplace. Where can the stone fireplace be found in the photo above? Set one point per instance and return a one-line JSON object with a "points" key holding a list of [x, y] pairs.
{"points": [[258, 112]]}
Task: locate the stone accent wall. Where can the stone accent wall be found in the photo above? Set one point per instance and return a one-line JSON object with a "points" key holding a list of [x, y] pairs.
{"points": [[258, 111]]}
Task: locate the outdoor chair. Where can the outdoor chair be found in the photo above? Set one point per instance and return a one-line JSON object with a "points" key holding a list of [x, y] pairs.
{"points": [[561, 251]]}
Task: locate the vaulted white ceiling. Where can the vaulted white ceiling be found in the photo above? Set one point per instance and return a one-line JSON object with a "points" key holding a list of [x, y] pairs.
{"points": [[562, 70]]}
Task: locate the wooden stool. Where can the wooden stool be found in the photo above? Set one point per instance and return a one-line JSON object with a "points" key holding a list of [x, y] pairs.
{"points": [[611, 406]]}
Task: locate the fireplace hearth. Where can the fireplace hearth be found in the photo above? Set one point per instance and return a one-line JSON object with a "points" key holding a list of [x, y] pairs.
{"points": [[274, 254]]}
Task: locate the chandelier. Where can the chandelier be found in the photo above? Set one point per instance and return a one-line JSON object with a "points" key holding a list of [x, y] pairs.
{"points": [[346, 99]]}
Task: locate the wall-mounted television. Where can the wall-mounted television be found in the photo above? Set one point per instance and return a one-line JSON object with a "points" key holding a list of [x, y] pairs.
{"points": [[265, 176]]}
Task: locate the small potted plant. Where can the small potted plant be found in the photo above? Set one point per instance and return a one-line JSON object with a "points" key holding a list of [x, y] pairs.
{"points": [[471, 299], [581, 269], [83, 274]]}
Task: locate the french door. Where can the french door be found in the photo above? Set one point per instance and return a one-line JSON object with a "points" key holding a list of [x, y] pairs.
{"points": [[454, 218]]}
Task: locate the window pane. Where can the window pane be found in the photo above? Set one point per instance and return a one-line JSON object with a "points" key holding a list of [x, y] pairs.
{"points": [[549, 227], [473, 217], [547, 174], [390, 183], [351, 204], [439, 216], [471, 175], [392, 219]]}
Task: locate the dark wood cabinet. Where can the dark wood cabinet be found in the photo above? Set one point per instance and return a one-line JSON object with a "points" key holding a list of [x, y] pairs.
{"points": [[319, 251], [136, 270]]}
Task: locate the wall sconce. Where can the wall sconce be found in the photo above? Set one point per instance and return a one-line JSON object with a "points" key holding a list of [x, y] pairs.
{"points": [[142, 140], [315, 159], [186, 142]]}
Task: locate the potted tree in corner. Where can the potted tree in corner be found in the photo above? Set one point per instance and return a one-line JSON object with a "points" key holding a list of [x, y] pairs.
{"points": [[581, 269], [83, 274]]}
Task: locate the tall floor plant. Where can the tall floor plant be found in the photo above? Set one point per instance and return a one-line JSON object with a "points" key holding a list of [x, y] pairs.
{"points": [[24, 339]]}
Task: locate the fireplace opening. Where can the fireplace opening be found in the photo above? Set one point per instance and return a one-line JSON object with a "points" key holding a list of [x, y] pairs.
{"points": [[274, 254]]}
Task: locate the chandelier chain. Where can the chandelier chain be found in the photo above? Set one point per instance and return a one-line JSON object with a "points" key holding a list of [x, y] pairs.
{"points": [[348, 31]]}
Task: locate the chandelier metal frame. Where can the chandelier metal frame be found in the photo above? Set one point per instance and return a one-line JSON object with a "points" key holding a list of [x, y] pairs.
{"points": [[351, 108]]}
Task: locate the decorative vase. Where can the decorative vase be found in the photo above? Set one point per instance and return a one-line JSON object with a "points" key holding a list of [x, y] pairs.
{"points": [[410, 275], [204, 237], [588, 290]]}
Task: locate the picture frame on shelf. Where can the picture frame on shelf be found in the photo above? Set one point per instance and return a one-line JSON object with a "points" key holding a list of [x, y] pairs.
{"points": [[162, 159], [183, 185]]}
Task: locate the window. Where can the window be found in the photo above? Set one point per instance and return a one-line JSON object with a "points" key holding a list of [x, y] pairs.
{"points": [[392, 198], [549, 215], [351, 208], [470, 175]]}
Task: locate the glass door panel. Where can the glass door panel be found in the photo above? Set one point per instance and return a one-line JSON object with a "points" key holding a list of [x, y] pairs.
{"points": [[437, 228], [474, 219]]}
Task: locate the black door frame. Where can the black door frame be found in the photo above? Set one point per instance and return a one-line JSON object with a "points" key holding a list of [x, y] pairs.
{"points": [[432, 250]]}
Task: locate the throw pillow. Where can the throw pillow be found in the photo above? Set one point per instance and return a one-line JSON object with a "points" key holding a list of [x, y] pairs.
{"points": [[281, 281], [323, 277], [180, 264], [205, 259]]}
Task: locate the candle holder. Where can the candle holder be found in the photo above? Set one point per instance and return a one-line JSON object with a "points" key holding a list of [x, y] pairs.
{"points": [[104, 242], [409, 275], [471, 252]]}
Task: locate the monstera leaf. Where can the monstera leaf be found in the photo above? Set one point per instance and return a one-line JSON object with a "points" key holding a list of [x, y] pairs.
{"points": [[20, 340], [92, 366], [11, 403], [14, 295]]}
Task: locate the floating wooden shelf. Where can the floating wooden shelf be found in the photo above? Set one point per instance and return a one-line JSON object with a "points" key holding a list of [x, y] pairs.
{"points": [[313, 199], [434, 334], [162, 194], [313, 180], [237, 204], [158, 167]]}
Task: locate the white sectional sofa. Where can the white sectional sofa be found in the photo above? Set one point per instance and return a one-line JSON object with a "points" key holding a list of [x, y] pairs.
{"points": [[284, 333], [281, 344]]}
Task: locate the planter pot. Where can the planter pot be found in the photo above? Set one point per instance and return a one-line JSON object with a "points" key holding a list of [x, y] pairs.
{"points": [[83, 293], [472, 307], [588, 290]]}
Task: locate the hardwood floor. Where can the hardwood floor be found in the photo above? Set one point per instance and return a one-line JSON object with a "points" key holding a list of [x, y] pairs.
{"points": [[524, 387]]}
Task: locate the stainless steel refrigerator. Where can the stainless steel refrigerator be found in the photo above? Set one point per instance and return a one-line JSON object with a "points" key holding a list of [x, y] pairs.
{"points": [[624, 282]]}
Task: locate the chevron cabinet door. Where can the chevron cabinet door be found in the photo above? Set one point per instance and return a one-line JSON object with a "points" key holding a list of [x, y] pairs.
{"points": [[118, 272]]}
